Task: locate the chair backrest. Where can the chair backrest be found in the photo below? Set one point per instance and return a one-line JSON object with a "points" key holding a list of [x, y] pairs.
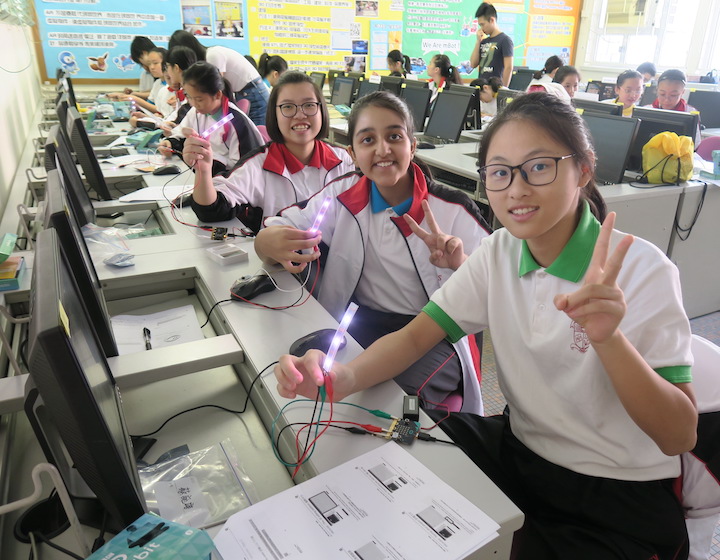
{"points": [[707, 145], [243, 105], [263, 132]]}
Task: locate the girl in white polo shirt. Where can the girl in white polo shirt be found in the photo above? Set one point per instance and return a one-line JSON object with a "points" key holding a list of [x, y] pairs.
{"points": [[290, 169], [592, 347], [373, 256]]}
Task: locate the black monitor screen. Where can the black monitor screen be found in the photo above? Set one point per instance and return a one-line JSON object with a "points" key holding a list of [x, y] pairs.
{"points": [[418, 100], [331, 75], [367, 87], [596, 107], [78, 256], [649, 95], [75, 405], [504, 96], [318, 78], [420, 84], [85, 154], [78, 198], [448, 116], [342, 92], [521, 79], [391, 83], [357, 75], [708, 103], [68, 85], [655, 121], [612, 138]]}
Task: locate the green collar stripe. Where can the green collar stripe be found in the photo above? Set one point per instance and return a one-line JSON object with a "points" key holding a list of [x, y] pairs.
{"points": [[676, 374], [452, 330], [574, 259]]}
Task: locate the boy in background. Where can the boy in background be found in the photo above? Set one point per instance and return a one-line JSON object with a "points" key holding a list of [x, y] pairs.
{"points": [[494, 52]]}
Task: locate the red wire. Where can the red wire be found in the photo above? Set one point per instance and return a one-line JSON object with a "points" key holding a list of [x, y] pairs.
{"points": [[434, 403]]}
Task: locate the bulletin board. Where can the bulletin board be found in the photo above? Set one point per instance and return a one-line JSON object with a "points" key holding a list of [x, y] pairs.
{"points": [[90, 39]]}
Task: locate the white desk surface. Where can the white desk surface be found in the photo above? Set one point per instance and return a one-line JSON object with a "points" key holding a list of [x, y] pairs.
{"points": [[705, 133]]}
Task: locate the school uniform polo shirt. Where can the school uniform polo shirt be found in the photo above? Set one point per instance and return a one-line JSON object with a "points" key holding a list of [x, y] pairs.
{"points": [[389, 281], [562, 403]]}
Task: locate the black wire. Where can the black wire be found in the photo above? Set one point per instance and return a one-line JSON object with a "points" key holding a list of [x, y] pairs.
{"points": [[247, 400], [213, 307], [688, 230], [22, 351], [44, 539], [312, 421], [286, 426], [100, 540]]}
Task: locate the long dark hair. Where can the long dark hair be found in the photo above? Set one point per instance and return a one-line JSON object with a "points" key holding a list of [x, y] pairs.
{"points": [[182, 38], [271, 119], [183, 57], [396, 56], [267, 64], [390, 101], [207, 78], [565, 71], [552, 63], [447, 70], [563, 124]]}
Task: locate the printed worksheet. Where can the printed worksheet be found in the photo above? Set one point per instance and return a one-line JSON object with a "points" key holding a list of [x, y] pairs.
{"points": [[384, 504]]}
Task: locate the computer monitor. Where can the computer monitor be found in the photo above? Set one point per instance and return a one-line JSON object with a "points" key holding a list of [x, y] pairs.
{"points": [[78, 198], [331, 75], [418, 100], [419, 84], [597, 108], [613, 137], [318, 78], [521, 78], [708, 104], [366, 87], [78, 257], [654, 121], [68, 86], [473, 115], [391, 83], [72, 401], [605, 90], [343, 90], [357, 75], [448, 116], [85, 154], [505, 96]]}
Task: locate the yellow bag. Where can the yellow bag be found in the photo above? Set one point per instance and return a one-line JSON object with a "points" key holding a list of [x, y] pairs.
{"points": [[668, 158]]}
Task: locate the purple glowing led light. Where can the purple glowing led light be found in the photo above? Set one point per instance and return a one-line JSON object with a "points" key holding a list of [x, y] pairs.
{"points": [[339, 334], [226, 119]]}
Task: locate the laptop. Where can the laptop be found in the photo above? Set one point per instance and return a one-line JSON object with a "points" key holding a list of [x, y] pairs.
{"points": [[447, 118]]}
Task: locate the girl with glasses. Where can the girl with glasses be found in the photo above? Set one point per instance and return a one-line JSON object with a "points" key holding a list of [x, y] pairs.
{"points": [[210, 98], [291, 168], [373, 256], [592, 348]]}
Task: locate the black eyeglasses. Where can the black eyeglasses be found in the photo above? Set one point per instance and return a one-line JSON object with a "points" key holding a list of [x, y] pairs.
{"points": [[537, 172], [309, 109]]}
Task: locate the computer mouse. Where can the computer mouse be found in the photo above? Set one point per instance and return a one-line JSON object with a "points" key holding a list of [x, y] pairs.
{"points": [[425, 146], [249, 287], [167, 170], [318, 340]]}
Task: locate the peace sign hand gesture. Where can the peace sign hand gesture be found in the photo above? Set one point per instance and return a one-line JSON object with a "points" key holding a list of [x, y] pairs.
{"points": [[446, 251], [599, 305]]}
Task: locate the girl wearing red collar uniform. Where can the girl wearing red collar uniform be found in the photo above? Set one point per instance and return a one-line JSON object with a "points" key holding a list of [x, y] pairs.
{"points": [[377, 256], [670, 90], [442, 74], [290, 169]]}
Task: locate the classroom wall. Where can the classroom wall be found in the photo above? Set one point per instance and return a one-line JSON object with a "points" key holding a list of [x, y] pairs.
{"points": [[19, 100]]}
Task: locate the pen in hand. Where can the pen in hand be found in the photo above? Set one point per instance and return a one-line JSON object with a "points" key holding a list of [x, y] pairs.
{"points": [[146, 336]]}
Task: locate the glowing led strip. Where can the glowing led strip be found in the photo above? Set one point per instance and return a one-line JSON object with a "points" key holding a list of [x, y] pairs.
{"points": [[339, 334], [226, 119], [320, 215]]}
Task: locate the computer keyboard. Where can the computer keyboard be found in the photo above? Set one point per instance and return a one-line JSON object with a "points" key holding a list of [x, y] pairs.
{"points": [[432, 139], [455, 181]]}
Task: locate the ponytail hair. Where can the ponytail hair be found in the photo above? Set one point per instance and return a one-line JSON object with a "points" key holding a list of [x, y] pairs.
{"points": [[396, 56], [206, 78], [564, 125], [551, 64], [267, 64], [447, 70]]}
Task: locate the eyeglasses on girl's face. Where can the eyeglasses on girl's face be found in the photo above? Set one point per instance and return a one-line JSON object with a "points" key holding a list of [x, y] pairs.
{"points": [[309, 109], [537, 171]]}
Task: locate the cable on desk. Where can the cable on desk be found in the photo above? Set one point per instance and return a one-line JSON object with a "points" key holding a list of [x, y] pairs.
{"points": [[244, 408], [51, 544], [684, 233], [211, 310], [296, 303]]}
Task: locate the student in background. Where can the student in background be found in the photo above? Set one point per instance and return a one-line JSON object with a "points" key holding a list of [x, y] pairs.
{"points": [[489, 88], [398, 63], [290, 169], [442, 73], [493, 51], [553, 88], [648, 71], [552, 64], [670, 90], [629, 90], [154, 61], [209, 95], [139, 48], [569, 78], [243, 78], [594, 364], [251, 60], [271, 68], [378, 256]]}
